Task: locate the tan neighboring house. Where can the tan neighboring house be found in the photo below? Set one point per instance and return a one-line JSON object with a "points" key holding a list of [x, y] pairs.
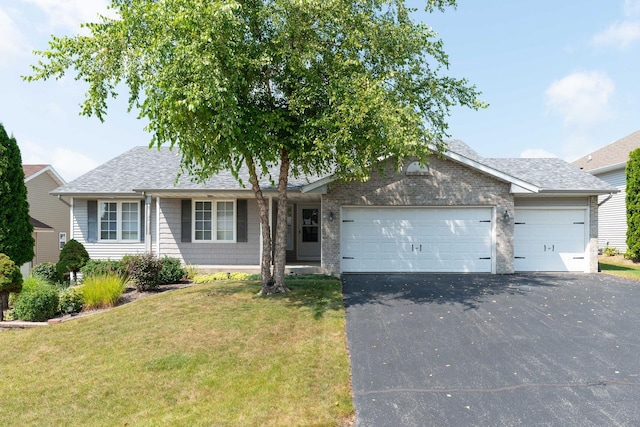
{"points": [[49, 214], [609, 164]]}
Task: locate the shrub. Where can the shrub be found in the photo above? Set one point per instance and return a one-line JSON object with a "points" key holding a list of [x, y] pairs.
{"points": [[10, 281], [73, 257], [102, 290], [28, 283], [143, 271], [95, 267], [191, 271], [10, 276], [71, 300], [37, 302], [47, 271], [610, 251], [171, 271]]}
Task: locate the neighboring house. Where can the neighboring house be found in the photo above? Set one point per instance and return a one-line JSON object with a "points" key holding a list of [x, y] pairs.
{"points": [[461, 213], [49, 215], [609, 164]]}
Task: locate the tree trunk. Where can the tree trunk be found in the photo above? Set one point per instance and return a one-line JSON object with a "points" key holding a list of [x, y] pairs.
{"points": [[263, 207], [280, 253], [4, 304]]}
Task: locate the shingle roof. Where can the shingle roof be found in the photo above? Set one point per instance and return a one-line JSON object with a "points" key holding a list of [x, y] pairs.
{"points": [[32, 169], [549, 174], [142, 168], [615, 153]]}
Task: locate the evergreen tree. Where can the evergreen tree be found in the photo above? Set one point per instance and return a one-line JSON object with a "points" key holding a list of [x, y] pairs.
{"points": [[73, 257], [633, 204], [16, 239]]}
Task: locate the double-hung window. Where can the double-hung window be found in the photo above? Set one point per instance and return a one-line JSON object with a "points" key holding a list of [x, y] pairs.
{"points": [[119, 221], [214, 221]]}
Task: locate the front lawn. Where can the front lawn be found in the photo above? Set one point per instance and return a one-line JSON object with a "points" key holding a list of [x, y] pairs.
{"points": [[212, 354], [619, 266]]}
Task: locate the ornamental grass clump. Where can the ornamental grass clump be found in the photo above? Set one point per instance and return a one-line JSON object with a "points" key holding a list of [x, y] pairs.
{"points": [[102, 290]]}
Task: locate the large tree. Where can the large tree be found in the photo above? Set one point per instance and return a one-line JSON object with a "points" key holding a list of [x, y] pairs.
{"points": [[315, 86], [16, 239]]}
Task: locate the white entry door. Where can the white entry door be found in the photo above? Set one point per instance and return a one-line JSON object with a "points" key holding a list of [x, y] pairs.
{"points": [[416, 239], [550, 239]]}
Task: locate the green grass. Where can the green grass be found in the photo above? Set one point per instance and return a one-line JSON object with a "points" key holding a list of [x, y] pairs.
{"points": [[618, 266], [207, 355]]}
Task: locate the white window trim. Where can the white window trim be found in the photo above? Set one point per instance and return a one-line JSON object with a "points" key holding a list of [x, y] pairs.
{"points": [[214, 220], [118, 238]]}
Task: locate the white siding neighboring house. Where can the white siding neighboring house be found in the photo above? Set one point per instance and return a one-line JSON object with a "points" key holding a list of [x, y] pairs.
{"points": [[609, 164]]}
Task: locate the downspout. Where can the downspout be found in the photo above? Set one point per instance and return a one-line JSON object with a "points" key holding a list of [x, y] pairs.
{"points": [[63, 200], [605, 200]]}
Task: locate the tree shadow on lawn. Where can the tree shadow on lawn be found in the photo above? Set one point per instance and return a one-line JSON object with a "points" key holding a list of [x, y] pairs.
{"points": [[318, 293], [470, 290], [320, 296]]}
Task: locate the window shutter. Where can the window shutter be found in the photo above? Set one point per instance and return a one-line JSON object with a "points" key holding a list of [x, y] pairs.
{"points": [[142, 221], [186, 220], [92, 220], [241, 220]]}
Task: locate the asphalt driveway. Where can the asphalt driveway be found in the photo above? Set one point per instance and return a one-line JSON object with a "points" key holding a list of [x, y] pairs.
{"points": [[493, 350]]}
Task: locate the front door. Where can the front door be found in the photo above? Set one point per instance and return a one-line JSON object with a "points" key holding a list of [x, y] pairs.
{"points": [[309, 232]]}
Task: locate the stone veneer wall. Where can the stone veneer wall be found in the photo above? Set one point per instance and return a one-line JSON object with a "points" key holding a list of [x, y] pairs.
{"points": [[448, 184]]}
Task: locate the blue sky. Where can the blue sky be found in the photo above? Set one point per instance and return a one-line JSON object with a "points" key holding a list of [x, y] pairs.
{"points": [[561, 79]]}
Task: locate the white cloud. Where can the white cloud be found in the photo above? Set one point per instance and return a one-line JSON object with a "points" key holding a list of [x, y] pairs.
{"points": [[70, 13], [536, 153], [632, 7], [581, 98], [69, 164], [11, 40], [619, 35]]}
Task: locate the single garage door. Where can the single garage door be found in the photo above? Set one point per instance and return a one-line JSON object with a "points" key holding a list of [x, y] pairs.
{"points": [[550, 239], [416, 239]]}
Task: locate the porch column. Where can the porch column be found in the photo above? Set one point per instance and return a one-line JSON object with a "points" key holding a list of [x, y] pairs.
{"points": [[147, 225]]}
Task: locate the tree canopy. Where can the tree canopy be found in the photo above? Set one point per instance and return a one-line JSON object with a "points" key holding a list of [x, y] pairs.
{"points": [[316, 86], [16, 240]]}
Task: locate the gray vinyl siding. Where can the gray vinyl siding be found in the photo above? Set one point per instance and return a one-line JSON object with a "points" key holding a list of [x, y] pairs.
{"points": [[612, 226], [105, 250], [199, 253]]}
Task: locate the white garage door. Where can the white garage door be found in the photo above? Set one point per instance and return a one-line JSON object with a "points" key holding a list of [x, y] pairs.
{"points": [[550, 239], [416, 239]]}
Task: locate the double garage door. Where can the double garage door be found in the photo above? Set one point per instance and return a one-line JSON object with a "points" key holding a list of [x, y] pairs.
{"points": [[417, 239], [459, 239]]}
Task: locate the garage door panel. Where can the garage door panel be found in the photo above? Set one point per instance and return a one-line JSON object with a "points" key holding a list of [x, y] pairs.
{"points": [[550, 240], [416, 239]]}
